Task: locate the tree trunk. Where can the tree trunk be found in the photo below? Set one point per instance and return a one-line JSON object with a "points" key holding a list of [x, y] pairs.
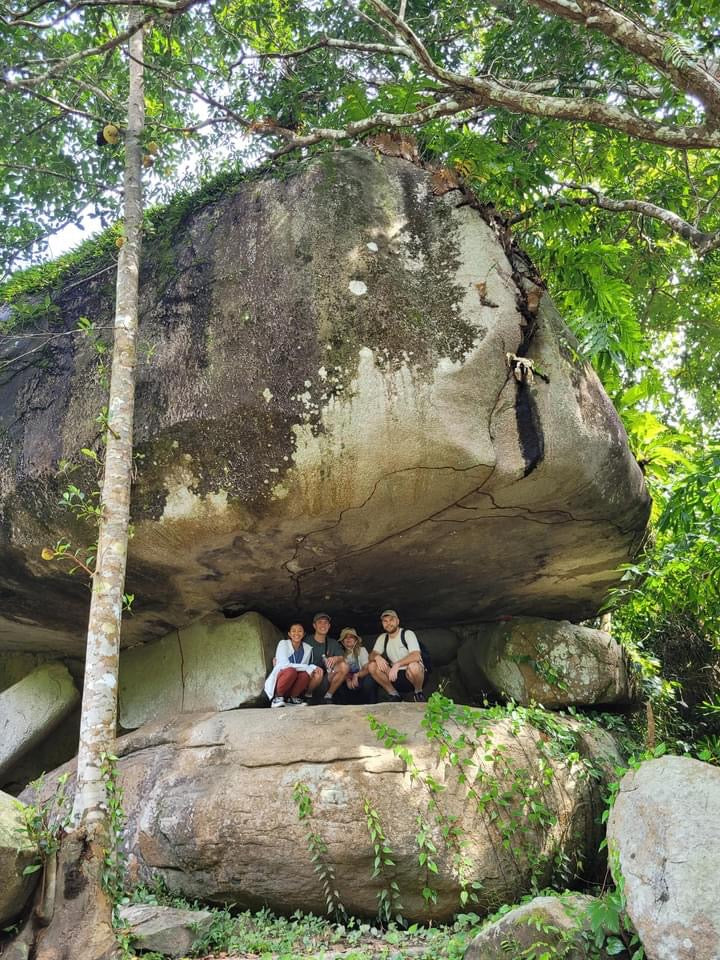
{"points": [[79, 924]]}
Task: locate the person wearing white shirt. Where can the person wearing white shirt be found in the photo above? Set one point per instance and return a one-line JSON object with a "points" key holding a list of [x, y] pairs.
{"points": [[396, 661], [292, 671]]}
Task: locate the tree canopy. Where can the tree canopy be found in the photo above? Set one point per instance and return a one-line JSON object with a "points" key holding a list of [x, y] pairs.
{"points": [[592, 128]]}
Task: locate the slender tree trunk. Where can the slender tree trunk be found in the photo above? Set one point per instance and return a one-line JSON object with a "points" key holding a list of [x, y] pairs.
{"points": [[80, 927], [99, 706]]}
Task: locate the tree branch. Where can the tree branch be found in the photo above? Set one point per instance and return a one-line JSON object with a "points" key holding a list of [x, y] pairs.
{"points": [[643, 41], [180, 6], [488, 91], [701, 241]]}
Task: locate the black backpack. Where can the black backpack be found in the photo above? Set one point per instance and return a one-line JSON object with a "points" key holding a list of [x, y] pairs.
{"points": [[424, 652]]}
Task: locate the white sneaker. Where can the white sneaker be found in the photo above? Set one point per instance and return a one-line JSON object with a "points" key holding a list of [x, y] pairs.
{"points": [[298, 701], [278, 702]]}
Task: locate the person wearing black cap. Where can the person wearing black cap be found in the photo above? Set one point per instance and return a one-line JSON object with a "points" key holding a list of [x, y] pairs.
{"points": [[396, 661], [329, 656]]}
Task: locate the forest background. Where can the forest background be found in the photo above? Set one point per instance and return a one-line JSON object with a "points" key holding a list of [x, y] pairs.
{"points": [[593, 130]]}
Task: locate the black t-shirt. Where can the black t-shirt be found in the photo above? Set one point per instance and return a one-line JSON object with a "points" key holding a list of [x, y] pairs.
{"points": [[331, 648]]}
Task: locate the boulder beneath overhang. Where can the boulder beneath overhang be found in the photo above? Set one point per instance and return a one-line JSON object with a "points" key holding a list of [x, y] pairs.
{"points": [[328, 419], [223, 807]]}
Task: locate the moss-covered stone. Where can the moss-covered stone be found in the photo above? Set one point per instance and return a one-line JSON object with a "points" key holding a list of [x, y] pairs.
{"points": [[324, 415]]}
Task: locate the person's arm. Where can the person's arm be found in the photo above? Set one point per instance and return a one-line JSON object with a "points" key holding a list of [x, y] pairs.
{"points": [[412, 656], [364, 662], [281, 653], [335, 654], [377, 650]]}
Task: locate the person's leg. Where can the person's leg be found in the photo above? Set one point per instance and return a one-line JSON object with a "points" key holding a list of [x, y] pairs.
{"points": [[302, 680], [415, 672], [368, 689], [284, 682], [337, 677], [379, 672], [316, 685]]}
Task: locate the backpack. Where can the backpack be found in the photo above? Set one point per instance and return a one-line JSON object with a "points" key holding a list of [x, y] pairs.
{"points": [[424, 652]]}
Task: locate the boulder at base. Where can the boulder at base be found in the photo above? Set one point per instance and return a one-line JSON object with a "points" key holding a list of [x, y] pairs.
{"points": [[552, 662], [16, 853], [211, 805], [665, 831], [328, 421], [165, 930], [215, 664], [32, 708], [551, 927]]}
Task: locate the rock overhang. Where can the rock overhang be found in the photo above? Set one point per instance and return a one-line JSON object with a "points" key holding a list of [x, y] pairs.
{"points": [[328, 419]]}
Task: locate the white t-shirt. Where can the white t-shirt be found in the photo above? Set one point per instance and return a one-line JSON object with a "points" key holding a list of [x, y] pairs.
{"points": [[396, 649]]}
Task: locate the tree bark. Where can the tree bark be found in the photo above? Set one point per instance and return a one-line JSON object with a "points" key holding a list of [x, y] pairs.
{"points": [[99, 706], [79, 924]]}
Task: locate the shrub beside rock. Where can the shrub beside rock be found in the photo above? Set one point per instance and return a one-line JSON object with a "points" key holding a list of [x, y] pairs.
{"points": [[16, 853]]}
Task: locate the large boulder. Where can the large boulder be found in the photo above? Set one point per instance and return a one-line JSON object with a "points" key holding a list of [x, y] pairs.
{"points": [[325, 418], [664, 836], [32, 708], [212, 806], [552, 662], [215, 664], [17, 852]]}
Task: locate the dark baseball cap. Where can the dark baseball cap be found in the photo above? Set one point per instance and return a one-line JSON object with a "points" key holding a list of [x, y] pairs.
{"points": [[321, 616]]}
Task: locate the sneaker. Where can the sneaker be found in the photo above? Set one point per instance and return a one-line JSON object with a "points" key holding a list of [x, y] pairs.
{"points": [[419, 696], [327, 699], [395, 698], [298, 701], [278, 702]]}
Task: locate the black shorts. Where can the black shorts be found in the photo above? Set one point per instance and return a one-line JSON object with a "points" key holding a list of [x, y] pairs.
{"points": [[402, 684]]}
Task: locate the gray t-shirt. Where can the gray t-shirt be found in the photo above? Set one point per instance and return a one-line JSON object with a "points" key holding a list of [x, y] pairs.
{"points": [[331, 648]]}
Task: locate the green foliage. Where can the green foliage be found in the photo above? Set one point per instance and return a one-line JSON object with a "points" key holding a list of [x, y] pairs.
{"points": [[318, 850], [511, 799], [114, 874], [389, 904], [667, 609], [44, 821]]}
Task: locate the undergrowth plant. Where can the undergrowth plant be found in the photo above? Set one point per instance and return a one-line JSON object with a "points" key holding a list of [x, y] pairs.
{"points": [[318, 850], [44, 821], [389, 905], [511, 798]]}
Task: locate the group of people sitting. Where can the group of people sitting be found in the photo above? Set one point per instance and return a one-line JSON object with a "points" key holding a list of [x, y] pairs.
{"points": [[320, 669]]}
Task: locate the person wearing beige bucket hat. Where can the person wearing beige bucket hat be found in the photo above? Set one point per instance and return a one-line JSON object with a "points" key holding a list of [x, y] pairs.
{"points": [[359, 686]]}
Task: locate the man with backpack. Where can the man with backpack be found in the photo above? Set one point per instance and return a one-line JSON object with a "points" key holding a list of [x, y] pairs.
{"points": [[396, 661]]}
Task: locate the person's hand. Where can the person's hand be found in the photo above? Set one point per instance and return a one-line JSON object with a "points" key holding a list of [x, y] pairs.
{"points": [[317, 672], [354, 682], [392, 674], [382, 664]]}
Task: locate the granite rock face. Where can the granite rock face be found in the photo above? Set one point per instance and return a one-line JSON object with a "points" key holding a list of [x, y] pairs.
{"points": [[326, 418], [546, 926], [214, 664], [210, 807], [552, 662], [32, 708], [665, 830]]}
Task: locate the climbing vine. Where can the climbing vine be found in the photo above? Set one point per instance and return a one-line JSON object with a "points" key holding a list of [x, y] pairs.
{"points": [[318, 850]]}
